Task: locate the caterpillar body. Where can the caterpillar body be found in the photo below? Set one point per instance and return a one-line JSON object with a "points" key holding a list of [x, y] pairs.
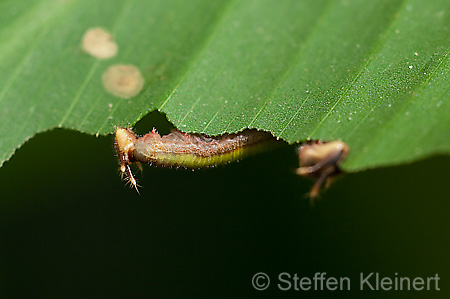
{"points": [[187, 150]]}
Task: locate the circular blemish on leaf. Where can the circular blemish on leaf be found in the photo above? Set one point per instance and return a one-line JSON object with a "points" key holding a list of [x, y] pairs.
{"points": [[99, 43], [124, 81]]}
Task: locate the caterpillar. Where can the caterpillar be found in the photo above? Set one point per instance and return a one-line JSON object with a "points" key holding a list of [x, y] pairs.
{"points": [[186, 150], [318, 160]]}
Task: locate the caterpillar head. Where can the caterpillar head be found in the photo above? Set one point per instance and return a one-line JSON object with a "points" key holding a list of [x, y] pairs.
{"points": [[125, 146]]}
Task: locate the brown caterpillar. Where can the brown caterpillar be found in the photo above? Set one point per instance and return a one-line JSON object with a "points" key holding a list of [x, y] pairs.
{"points": [[187, 150], [318, 160]]}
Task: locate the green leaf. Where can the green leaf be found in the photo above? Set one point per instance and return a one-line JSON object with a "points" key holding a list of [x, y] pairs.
{"points": [[372, 73]]}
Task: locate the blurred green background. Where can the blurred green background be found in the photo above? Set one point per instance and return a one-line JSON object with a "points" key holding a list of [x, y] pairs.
{"points": [[70, 228]]}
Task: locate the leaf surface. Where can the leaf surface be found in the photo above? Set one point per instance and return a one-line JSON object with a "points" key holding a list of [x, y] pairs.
{"points": [[372, 73]]}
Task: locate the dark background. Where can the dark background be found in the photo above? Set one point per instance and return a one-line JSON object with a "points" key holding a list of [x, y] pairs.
{"points": [[70, 228]]}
